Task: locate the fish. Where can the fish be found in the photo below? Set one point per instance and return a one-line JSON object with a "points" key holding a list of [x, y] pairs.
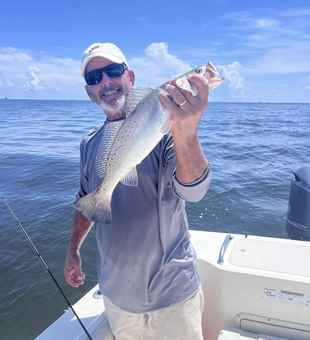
{"points": [[126, 143]]}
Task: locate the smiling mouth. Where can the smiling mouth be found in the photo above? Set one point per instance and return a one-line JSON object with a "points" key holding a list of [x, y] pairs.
{"points": [[108, 93]]}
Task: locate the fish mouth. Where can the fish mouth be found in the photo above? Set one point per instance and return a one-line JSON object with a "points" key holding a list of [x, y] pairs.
{"points": [[211, 71]]}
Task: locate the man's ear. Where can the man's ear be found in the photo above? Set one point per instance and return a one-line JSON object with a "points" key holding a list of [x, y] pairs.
{"points": [[90, 95], [132, 78]]}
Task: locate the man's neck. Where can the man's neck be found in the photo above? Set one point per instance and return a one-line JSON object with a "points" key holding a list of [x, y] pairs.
{"points": [[116, 116]]}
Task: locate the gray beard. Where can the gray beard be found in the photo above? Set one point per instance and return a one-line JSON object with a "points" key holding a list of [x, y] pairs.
{"points": [[113, 110]]}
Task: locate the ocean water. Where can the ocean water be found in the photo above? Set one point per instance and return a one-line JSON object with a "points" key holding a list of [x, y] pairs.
{"points": [[253, 150]]}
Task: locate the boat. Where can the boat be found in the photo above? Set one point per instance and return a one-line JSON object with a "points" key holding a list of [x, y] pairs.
{"points": [[254, 288]]}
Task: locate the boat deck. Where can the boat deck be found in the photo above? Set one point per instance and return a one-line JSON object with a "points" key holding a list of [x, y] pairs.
{"points": [[261, 290]]}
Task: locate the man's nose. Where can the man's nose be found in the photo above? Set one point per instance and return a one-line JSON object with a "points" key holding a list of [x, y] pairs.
{"points": [[105, 81]]}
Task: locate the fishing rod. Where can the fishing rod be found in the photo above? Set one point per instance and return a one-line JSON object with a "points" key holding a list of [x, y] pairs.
{"points": [[46, 267]]}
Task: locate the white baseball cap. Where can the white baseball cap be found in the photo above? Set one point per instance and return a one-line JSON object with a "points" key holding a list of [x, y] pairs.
{"points": [[106, 50]]}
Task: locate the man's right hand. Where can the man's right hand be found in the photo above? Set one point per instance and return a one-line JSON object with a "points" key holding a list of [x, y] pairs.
{"points": [[72, 271]]}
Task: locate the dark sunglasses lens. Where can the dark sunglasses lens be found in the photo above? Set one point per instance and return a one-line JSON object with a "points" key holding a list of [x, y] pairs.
{"points": [[115, 70], [93, 77], [112, 71]]}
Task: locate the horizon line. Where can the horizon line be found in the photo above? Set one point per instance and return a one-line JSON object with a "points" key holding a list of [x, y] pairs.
{"points": [[228, 102]]}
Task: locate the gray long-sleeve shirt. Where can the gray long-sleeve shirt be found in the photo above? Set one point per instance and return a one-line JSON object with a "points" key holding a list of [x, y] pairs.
{"points": [[146, 261]]}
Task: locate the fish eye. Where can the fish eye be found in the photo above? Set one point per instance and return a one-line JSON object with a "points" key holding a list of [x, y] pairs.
{"points": [[198, 70]]}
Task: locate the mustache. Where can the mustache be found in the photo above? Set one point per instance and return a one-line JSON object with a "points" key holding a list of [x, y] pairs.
{"points": [[113, 87]]}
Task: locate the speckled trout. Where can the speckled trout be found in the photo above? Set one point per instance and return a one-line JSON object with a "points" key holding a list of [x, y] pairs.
{"points": [[126, 143]]}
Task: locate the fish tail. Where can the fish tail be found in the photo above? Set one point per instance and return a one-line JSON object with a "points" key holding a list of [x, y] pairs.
{"points": [[95, 207]]}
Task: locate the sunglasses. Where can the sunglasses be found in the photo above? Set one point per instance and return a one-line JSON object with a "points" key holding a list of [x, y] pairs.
{"points": [[112, 71]]}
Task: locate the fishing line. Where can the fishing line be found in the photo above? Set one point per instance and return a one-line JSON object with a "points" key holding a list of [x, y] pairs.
{"points": [[45, 266]]}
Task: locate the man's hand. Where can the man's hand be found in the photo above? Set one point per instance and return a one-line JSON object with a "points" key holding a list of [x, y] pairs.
{"points": [[72, 271], [186, 110]]}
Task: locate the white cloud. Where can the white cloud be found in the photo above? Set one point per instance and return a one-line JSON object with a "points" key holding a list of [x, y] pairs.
{"points": [[4, 82], [232, 76], [29, 75], [13, 55], [276, 94], [245, 19], [266, 23], [35, 80], [157, 66], [45, 77], [295, 12], [237, 16], [9, 49], [282, 60], [158, 52], [281, 44]]}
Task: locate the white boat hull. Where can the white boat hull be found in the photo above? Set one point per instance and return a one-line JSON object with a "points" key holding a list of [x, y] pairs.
{"points": [[262, 287]]}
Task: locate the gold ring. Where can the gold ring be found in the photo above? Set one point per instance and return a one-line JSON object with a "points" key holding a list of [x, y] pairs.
{"points": [[185, 101]]}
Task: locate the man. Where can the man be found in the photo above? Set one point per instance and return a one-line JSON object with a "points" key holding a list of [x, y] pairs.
{"points": [[147, 265]]}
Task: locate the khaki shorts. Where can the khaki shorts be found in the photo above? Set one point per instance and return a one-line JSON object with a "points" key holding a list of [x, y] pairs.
{"points": [[180, 322]]}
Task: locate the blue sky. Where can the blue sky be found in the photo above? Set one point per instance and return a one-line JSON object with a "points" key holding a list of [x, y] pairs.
{"points": [[262, 48]]}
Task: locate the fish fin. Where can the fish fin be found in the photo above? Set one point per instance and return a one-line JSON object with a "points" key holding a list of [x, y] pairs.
{"points": [[135, 97], [95, 208], [166, 127], [131, 179], [110, 131]]}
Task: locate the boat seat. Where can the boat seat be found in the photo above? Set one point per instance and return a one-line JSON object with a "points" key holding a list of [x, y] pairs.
{"points": [[230, 333]]}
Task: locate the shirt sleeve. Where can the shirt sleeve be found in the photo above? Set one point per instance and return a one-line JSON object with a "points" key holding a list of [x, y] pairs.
{"points": [[191, 192]]}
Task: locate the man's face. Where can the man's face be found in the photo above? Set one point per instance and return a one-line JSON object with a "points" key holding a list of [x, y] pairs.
{"points": [[111, 93]]}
